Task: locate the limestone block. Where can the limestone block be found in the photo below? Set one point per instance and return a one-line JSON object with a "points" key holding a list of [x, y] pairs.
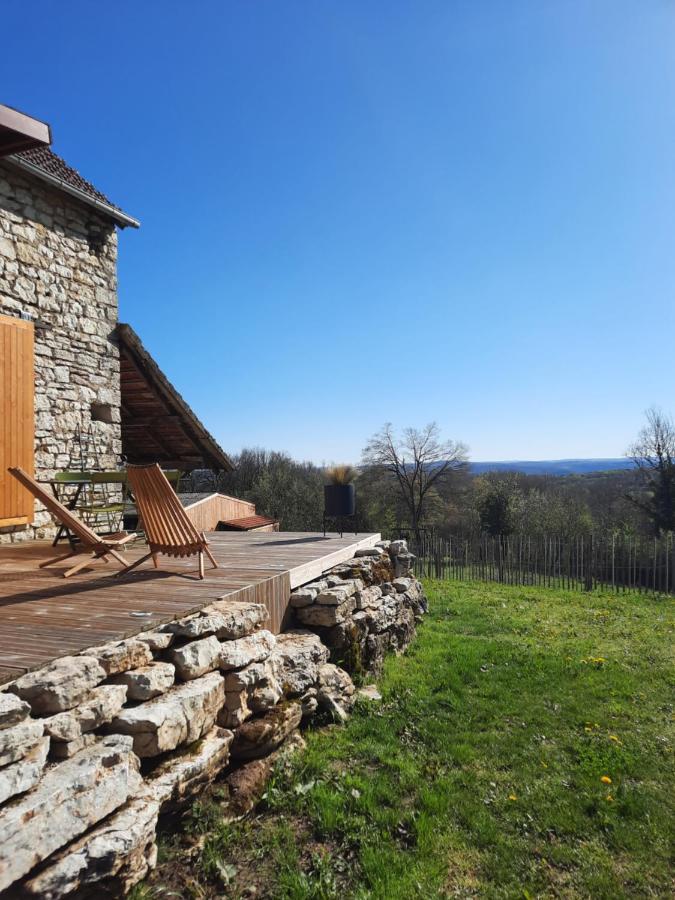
{"points": [[156, 640], [196, 658], [308, 703], [244, 651], [186, 772], [24, 774], [259, 737], [401, 585], [383, 616], [180, 716], [303, 596], [325, 616], [100, 707], [15, 742], [334, 596], [148, 681], [396, 547], [235, 710], [369, 551], [299, 654], [250, 690], [120, 656], [403, 564], [251, 676], [60, 685], [369, 597], [71, 798], [7, 248], [12, 710], [117, 854], [336, 690], [67, 749], [227, 619]]}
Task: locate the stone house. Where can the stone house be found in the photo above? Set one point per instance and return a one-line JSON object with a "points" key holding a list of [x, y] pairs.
{"points": [[61, 393]]}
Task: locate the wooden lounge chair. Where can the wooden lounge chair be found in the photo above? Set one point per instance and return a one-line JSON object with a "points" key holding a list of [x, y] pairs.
{"points": [[98, 547], [168, 528]]}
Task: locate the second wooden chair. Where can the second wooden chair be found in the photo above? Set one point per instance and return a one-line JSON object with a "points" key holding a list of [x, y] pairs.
{"points": [[168, 529]]}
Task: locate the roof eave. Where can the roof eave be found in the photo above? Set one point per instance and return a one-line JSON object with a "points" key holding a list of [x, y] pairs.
{"points": [[120, 218], [127, 336], [19, 131]]}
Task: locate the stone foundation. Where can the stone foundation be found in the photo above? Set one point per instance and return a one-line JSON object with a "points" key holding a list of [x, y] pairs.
{"points": [[95, 749]]}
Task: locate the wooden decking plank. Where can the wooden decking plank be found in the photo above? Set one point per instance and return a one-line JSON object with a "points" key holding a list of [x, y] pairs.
{"points": [[42, 616]]}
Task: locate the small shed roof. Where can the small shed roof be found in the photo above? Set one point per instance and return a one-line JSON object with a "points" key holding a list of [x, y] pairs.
{"points": [[247, 523], [157, 424]]}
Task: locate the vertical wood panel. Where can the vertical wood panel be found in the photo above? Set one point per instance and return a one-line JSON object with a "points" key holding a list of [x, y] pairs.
{"points": [[205, 514], [17, 412]]}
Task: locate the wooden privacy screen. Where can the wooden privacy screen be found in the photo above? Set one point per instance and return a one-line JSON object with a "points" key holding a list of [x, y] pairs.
{"points": [[17, 389]]}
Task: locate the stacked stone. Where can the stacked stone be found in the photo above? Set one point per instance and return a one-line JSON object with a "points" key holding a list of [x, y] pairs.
{"points": [[58, 262], [58, 712], [179, 705], [95, 748], [364, 607]]}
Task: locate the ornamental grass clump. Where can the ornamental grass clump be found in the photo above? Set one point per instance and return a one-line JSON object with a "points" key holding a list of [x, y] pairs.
{"points": [[343, 474]]}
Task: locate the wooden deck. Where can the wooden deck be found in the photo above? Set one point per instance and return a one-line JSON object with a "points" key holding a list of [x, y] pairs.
{"points": [[44, 616]]}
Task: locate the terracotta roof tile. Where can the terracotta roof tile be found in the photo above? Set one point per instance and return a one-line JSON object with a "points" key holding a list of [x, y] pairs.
{"points": [[49, 162]]}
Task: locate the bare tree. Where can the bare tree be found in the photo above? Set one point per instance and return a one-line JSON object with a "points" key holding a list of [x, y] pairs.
{"points": [[654, 455], [418, 459]]}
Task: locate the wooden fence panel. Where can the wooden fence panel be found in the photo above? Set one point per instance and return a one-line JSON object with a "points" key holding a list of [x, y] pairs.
{"points": [[582, 562]]}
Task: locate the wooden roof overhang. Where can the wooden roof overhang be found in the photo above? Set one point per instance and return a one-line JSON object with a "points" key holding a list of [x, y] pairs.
{"points": [[157, 424], [21, 132]]}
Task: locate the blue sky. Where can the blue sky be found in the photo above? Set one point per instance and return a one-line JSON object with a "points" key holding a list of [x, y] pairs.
{"points": [[362, 211]]}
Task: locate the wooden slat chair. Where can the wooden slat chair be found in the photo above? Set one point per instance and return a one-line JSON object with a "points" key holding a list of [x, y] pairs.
{"points": [[168, 528], [98, 547]]}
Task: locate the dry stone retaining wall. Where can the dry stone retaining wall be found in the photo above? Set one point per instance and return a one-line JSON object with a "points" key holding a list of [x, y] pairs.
{"points": [[96, 748]]}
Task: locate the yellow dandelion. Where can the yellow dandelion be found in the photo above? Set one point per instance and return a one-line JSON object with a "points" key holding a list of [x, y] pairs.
{"points": [[545, 765], [606, 779], [613, 737], [512, 797], [586, 728], [609, 798]]}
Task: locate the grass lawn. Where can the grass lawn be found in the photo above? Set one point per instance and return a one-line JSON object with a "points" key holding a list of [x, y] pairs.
{"points": [[523, 748]]}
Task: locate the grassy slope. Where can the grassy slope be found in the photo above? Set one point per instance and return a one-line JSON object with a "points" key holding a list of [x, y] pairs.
{"points": [[480, 773]]}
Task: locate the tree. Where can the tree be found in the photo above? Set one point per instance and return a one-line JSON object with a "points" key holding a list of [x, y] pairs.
{"points": [[654, 455], [418, 461], [279, 486], [498, 498]]}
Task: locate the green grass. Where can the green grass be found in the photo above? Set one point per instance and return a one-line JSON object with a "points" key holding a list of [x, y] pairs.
{"points": [[480, 772]]}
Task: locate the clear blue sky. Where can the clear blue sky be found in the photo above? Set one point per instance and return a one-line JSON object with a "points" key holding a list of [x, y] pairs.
{"points": [[362, 211]]}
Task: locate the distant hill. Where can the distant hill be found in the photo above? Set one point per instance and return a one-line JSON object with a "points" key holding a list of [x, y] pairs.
{"points": [[554, 466]]}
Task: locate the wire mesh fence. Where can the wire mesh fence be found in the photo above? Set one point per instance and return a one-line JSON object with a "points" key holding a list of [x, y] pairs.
{"points": [[584, 562]]}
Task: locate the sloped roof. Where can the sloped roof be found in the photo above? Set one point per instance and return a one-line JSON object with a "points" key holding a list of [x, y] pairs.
{"points": [[48, 161], [157, 424], [44, 163]]}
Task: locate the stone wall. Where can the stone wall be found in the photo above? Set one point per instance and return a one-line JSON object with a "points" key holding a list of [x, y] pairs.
{"points": [[364, 607], [58, 261], [95, 749]]}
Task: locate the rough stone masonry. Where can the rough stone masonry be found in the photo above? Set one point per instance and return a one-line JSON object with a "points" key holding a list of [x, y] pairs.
{"points": [[58, 267], [96, 749]]}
